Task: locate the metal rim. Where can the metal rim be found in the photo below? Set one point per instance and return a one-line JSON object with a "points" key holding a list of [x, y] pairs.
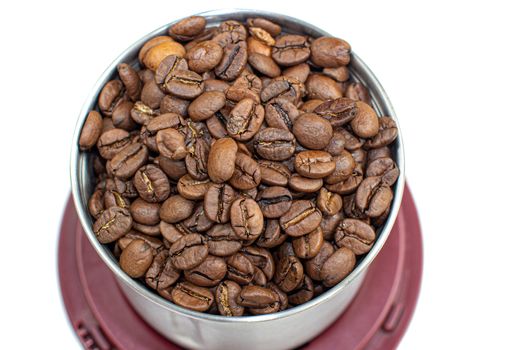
{"points": [[378, 93]]}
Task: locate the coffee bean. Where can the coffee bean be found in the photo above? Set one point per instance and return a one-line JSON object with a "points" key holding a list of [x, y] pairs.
{"points": [[309, 245], [192, 189], [197, 158], [264, 64], [358, 92], [217, 202], [304, 184], [96, 203], [337, 266], [303, 293], [150, 44], [161, 273], [144, 212], [166, 70], [151, 94], [150, 230], [312, 131], [187, 28], [275, 144], [206, 105], [185, 84], [121, 117], [226, 298], [289, 273], [272, 28], [192, 297], [175, 209], [344, 166], [273, 173], [262, 35], [298, 72], [329, 225], [274, 201], [204, 56], [172, 233], [221, 160], [246, 174], [159, 52], [131, 80], [313, 266], [260, 258], [240, 269], [111, 95], [174, 169], [373, 197], [142, 113], [384, 167], [314, 164], [126, 163], [91, 131], [198, 221], [386, 135], [112, 142], [245, 120], [281, 113], [115, 199], [365, 123], [338, 112], [136, 259], [256, 297], [355, 235], [112, 224], [170, 143], [188, 251], [245, 86], [230, 32], [222, 240], [209, 273], [350, 184], [290, 50], [330, 52], [254, 45], [246, 218], [172, 104], [329, 203], [302, 217], [322, 87], [272, 236], [339, 74], [233, 61], [152, 184], [283, 87]]}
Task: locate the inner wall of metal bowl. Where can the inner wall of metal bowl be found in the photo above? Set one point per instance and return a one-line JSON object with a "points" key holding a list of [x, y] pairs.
{"points": [[82, 162]]}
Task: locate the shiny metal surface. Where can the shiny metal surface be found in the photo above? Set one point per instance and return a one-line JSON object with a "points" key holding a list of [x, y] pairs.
{"points": [[281, 330]]}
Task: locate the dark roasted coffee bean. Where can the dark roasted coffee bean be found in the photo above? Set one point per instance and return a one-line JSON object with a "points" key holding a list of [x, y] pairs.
{"points": [[329, 203], [174, 169], [122, 116], [365, 123], [230, 32], [322, 87], [289, 273], [245, 119], [216, 85], [240, 269], [338, 112], [192, 189], [314, 164], [161, 273], [264, 64], [350, 184], [246, 174], [313, 266], [283, 87], [112, 224], [259, 278], [281, 113], [112, 142], [96, 203], [209, 273], [301, 219], [172, 104], [192, 297], [245, 86], [136, 259], [167, 68], [376, 153], [272, 235], [126, 163], [358, 92], [290, 50], [329, 225], [344, 166], [274, 201], [184, 84], [206, 105], [198, 221], [226, 298], [337, 266], [233, 61], [197, 158], [386, 135], [188, 28], [330, 52], [91, 131], [189, 251], [303, 293], [131, 80], [175, 209], [355, 235], [110, 96], [222, 240], [260, 258], [246, 218], [171, 144], [152, 184], [385, 168], [304, 184], [221, 160], [204, 56], [151, 94], [257, 297], [309, 245], [144, 212], [142, 113], [273, 173], [275, 144], [217, 202], [312, 131], [373, 197], [336, 146]]}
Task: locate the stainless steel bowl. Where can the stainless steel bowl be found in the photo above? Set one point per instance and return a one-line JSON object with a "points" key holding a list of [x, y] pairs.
{"points": [[283, 330]]}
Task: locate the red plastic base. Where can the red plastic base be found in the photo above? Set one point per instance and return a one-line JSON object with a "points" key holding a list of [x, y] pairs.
{"points": [[376, 319]]}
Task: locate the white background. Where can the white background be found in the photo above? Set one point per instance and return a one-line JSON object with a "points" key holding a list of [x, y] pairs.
{"points": [[453, 70]]}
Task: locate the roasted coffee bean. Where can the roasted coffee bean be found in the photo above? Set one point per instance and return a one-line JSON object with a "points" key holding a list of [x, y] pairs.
{"points": [[264, 64], [154, 243], [274, 201], [161, 273], [152, 184], [206, 105], [365, 123], [275, 144], [303, 293], [285, 249], [384, 167], [142, 113], [314, 164], [283, 87], [301, 219], [171, 143], [167, 68], [125, 188], [204, 56], [344, 166], [246, 174], [188, 28], [246, 218], [339, 74], [358, 92], [197, 158], [96, 203], [126, 163], [376, 153], [216, 85], [336, 146], [309, 245], [217, 202], [185, 84], [310, 105], [112, 224], [245, 86], [172, 233], [174, 169], [175, 209], [150, 44], [256, 46], [257, 297], [189, 251], [330, 52], [272, 235], [222, 240], [322, 87], [290, 50], [299, 72], [386, 135], [305, 185], [91, 131], [192, 189], [151, 94], [338, 112], [206, 34], [209, 273], [329, 225], [313, 266], [156, 54], [145, 212], [150, 230], [112, 142], [355, 235], [273, 173], [198, 221], [115, 199], [226, 298], [289, 273], [192, 297], [221, 160], [337, 266], [233, 61], [329, 203], [230, 32], [373, 197], [136, 259], [172, 104], [245, 119], [262, 35], [283, 298], [122, 116], [350, 184], [240, 269], [312, 131], [281, 113], [131, 80], [272, 28], [111, 95], [260, 258]]}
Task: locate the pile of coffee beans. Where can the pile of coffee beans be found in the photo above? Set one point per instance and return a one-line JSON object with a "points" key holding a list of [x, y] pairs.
{"points": [[240, 169]]}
